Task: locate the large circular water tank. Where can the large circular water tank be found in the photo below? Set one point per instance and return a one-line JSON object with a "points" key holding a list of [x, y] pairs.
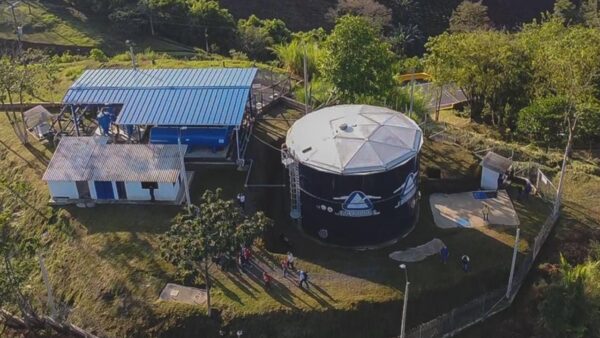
{"points": [[358, 173]]}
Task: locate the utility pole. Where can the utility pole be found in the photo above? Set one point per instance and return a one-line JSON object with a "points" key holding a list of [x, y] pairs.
{"points": [[512, 266], [412, 92], [305, 64], [132, 53], [183, 171], [206, 39], [405, 306], [18, 29]]}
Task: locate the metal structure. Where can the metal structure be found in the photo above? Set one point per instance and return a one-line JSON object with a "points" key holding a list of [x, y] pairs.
{"points": [[353, 173], [214, 104]]}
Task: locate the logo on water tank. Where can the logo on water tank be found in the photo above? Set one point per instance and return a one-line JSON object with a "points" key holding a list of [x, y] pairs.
{"points": [[357, 204]]}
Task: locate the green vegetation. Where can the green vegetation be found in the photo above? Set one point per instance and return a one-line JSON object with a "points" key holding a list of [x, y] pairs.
{"points": [[468, 17], [217, 229], [572, 299], [355, 61]]}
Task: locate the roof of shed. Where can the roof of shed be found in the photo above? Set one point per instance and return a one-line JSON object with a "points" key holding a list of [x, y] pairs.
{"points": [[204, 96], [91, 159], [497, 163]]}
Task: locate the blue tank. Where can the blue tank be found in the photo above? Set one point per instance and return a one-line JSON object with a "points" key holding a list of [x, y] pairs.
{"points": [[213, 138]]}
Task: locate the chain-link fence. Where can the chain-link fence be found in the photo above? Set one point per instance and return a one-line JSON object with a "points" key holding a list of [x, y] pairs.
{"points": [[486, 305], [268, 87]]}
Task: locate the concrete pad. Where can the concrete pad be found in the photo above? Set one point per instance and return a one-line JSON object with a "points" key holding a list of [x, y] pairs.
{"points": [[183, 294], [463, 210], [418, 253]]}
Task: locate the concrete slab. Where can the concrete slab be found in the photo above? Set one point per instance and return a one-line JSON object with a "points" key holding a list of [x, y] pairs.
{"points": [[463, 210], [418, 253], [183, 294]]}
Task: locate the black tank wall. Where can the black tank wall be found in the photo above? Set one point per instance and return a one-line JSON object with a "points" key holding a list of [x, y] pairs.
{"points": [[322, 207]]}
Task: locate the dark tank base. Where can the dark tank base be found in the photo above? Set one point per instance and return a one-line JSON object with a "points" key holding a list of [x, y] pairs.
{"points": [[361, 235]]}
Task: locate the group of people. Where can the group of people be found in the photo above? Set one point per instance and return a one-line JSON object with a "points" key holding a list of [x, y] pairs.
{"points": [[287, 265], [465, 260]]}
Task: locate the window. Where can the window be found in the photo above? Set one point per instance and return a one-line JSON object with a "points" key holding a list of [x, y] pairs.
{"points": [[149, 185]]}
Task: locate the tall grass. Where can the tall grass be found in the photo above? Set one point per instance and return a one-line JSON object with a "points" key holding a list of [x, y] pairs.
{"points": [[291, 57]]}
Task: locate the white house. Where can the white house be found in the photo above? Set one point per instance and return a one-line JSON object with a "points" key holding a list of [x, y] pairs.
{"points": [[89, 169], [494, 166]]}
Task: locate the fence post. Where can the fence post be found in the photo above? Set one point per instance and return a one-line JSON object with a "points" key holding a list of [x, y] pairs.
{"points": [[512, 266]]}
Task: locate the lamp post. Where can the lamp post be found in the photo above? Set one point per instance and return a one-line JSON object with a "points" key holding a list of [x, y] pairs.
{"points": [[405, 307], [183, 171], [131, 44]]}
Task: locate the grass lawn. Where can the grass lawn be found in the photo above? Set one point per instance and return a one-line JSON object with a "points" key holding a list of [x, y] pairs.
{"points": [[104, 265], [56, 23]]}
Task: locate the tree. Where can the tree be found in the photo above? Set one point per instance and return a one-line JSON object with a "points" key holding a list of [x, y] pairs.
{"points": [[566, 63], [584, 12], [210, 22], [355, 59], [570, 305], [217, 228], [258, 36], [469, 16], [23, 76], [490, 67], [372, 10]]}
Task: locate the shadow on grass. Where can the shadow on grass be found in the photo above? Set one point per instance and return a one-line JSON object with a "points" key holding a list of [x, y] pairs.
{"points": [[130, 218]]}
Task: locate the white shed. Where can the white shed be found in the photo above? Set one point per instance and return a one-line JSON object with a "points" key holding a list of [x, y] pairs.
{"points": [[88, 169], [494, 166]]}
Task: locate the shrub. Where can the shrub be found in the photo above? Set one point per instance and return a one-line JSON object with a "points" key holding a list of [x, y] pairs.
{"points": [[98, 55], [543, 121]]}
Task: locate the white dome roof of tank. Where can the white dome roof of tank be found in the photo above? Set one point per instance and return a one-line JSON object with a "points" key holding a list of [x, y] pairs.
{"points": [[354, 139]]}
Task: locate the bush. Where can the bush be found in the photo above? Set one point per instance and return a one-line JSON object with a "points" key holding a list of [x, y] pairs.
{"points": [[291, 56], [98, 55], [543, 121]]}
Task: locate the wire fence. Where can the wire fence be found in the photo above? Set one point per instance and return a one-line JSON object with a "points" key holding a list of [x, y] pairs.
{"points": [[490, 303]]}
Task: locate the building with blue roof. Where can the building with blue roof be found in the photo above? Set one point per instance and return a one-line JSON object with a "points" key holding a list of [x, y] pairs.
{"points": [[208, 109]]}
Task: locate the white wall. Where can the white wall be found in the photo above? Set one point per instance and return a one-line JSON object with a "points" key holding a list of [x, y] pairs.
{"points": [[489, 179], [136, 193], [165, 191], [63, 189]]}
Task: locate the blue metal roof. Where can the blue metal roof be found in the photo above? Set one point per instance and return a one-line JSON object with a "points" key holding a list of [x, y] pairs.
{"points": [[206, 96]]}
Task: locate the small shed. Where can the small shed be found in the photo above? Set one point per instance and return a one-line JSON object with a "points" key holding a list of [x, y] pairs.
{"points": [[88, 169], [495, 167]]}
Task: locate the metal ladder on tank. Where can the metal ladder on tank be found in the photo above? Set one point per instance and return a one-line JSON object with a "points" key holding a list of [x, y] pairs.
{"points": [[292, 166]]}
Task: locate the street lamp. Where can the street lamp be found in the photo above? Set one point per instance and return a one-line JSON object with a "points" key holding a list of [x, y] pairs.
{"points": [[131, 44], [183, 171], [404, 308]]}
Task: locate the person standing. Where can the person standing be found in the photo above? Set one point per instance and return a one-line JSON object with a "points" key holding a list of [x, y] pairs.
{"points": [[241, 197], [444, 254], [486, 212], [290, 260], [267, 279], [466, 262], [284, 267], [303, 276]]}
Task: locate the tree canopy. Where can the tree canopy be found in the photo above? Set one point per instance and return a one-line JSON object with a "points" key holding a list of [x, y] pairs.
{"points": [[356, 61], [490, 67], [216, 228], [469, 16]]}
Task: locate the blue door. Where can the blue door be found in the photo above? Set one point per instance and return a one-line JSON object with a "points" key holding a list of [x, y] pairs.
{"points": [[104, 190]]}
